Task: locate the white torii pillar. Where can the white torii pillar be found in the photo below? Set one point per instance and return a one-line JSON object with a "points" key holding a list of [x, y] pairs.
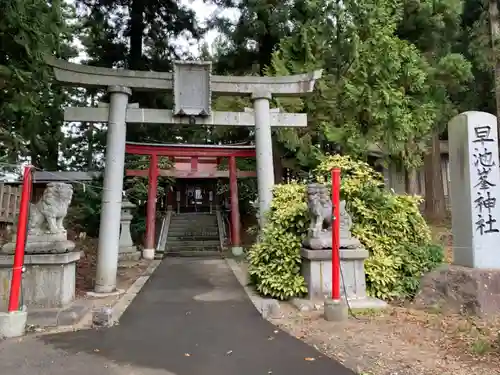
{"points": [[109, 229], [263, 150]]}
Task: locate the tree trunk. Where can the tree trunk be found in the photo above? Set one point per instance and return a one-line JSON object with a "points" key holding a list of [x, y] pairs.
{"points": [[136, 34], [412, 182], [90, 150], [51, 159], [266, 42], [35, 159], [435, 204], [495, 35], [279, 171]]}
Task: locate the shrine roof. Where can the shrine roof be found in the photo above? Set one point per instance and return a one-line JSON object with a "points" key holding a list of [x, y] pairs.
{"points": [[43, 177]]}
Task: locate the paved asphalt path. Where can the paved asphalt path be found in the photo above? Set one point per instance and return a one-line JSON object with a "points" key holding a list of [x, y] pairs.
{"points": [[191, 318]]}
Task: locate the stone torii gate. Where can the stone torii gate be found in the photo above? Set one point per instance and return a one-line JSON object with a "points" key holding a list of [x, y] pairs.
{"points": [[192, 84]]}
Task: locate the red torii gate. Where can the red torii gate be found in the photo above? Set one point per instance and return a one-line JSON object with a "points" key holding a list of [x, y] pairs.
{"points": [[192, 153]]}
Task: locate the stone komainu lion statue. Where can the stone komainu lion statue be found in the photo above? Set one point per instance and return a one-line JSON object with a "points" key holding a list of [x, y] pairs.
{"points": [[320, 209], [48, 214]]}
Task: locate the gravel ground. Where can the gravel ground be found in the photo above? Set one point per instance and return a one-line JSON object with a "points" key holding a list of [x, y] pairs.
{"points": [[401, 341]]}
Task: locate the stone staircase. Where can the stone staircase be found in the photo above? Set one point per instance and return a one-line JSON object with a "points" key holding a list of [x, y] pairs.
{"points": [[193, 234]]}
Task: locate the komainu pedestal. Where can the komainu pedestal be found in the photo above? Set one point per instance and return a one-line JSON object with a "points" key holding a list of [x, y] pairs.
{"points": [[317, 254], [50, 260], [49, 280]]}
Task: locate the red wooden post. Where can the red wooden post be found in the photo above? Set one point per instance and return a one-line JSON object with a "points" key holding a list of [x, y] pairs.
{"points": [[22, 227], [194, 164], [151, 207], [235, 209], [336, 234]]}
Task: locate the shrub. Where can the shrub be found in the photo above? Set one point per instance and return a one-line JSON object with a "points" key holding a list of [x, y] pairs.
{"points": [[390, 227], [85, 209], [274, 262], [416, 261]]}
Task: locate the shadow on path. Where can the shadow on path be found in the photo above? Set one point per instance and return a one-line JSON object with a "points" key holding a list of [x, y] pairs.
{"points": [[193, 318]]}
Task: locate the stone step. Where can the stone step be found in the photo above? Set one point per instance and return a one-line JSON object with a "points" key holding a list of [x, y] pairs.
{"points": [[193, 232], [194, 217], [194, 228], [197, 214], [194, 220], [215, 241], [197, 217], [184, 238], [192, 225], [192, 249], [189, 237], [191, 243], [184, 233], [204, 254], [190, 233]]}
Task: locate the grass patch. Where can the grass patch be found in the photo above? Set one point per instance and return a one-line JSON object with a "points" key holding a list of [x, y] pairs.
{"points": [[481, 346], [368, 312]]}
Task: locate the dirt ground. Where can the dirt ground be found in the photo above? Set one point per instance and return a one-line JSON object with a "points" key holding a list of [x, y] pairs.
{"points": [[401, 341], [128, 271]]}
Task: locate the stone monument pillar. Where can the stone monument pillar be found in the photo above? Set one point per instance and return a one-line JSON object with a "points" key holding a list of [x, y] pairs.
{"points": [[264, 151], [127, 249], [109, 230], [475, 188], [470, 284], [50, 259]]}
